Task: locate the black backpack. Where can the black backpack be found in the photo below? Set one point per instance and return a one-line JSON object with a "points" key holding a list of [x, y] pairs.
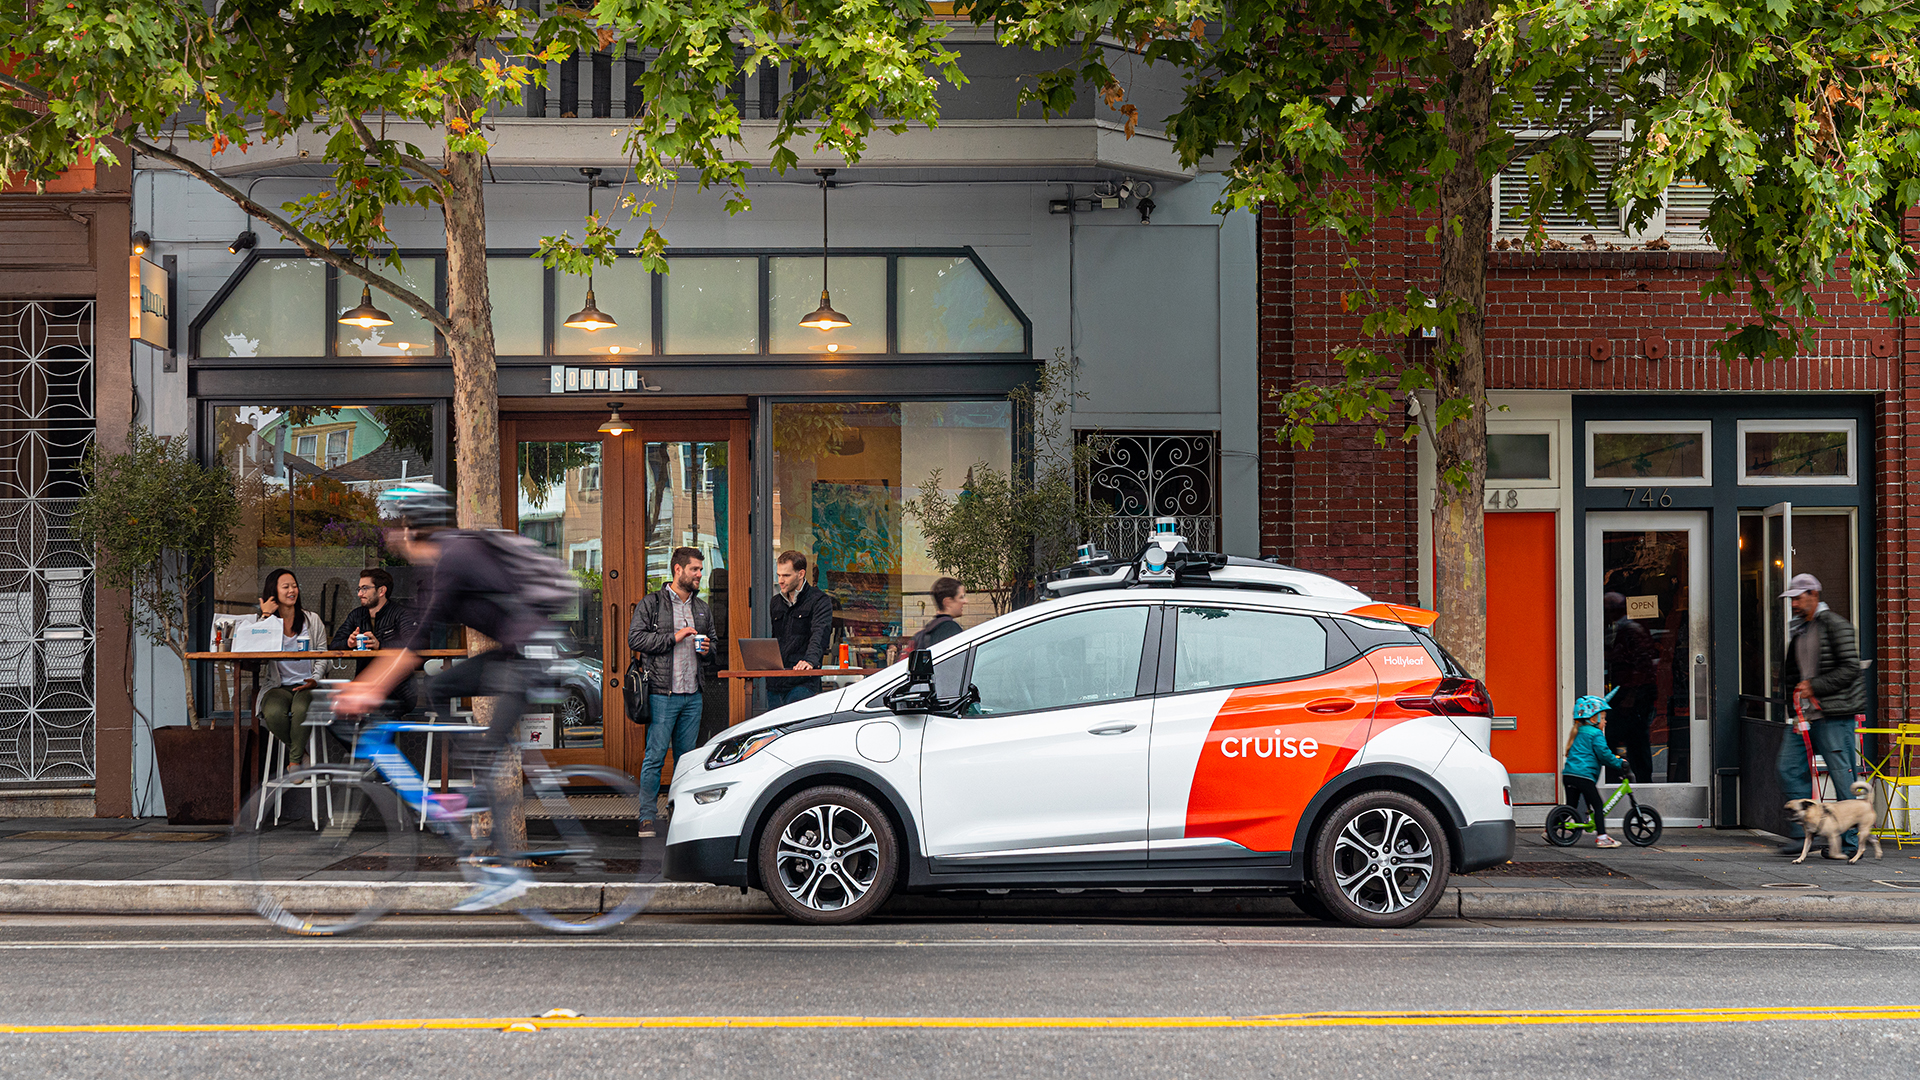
{"points": [[542, 582]]}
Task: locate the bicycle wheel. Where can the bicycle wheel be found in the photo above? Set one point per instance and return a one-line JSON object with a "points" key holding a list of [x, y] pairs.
{"points": [[1642, 826], [583, 850], [1563, 826], [331, 880]]}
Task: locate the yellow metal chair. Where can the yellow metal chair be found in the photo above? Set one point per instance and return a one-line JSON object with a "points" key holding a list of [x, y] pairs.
{"points": [[1893, 776]]}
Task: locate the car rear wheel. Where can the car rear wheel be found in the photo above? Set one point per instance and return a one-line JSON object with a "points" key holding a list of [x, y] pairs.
{"points": [[828, 855], [1380, 861]]}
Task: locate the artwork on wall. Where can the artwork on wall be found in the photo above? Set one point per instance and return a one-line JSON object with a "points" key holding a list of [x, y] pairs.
{"points": [[857, 532]]}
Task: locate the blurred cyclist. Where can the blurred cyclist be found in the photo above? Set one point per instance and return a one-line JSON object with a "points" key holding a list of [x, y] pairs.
{"points": [[469, 586]]}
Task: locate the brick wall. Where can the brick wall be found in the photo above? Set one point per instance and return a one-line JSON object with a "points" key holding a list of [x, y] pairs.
{"points": [[1347, 507]]}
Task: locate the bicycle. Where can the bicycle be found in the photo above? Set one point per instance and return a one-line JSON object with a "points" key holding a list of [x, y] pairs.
{"points": [[372, 807], [1641, 824]]}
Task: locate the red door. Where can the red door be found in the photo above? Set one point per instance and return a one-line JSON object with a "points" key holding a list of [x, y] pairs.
{"points": [[1522, 649]]}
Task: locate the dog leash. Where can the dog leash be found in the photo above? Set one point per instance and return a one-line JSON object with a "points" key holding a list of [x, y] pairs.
{"points": [[1806, 737]]}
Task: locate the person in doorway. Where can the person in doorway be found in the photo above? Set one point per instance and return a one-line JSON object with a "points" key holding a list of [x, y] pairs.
{"points": [[672, 630], [283, 705], [1586, 751], [1826, 688], [1632, 668], [802, 623], [949, 603]]}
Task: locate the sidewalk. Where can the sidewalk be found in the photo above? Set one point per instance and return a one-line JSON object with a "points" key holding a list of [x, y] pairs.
{"points": [[72, 865]]}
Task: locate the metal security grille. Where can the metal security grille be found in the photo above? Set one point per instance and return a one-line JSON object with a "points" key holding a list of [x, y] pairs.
{"points": [[46, 576], [1142, 476]]}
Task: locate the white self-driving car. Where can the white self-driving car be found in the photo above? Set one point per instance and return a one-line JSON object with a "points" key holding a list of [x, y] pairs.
{"points": [[1179, 720]]}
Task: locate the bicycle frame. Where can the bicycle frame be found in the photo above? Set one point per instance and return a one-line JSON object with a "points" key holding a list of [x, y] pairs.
{"points": [[1623, 791]]}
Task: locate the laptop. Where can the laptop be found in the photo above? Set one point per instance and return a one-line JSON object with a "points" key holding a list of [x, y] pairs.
{"points": [[760, 654]]}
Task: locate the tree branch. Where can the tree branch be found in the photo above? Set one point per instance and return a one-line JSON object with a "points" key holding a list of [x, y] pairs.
{"points": [[426, 171], [434, 316]]}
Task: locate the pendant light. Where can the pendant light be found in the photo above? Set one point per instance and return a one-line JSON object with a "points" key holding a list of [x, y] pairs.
{"points": [[615, 426], [591, 318], [824, 317], [365, 315]]}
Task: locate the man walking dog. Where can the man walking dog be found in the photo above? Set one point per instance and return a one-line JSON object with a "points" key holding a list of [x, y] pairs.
{"points": [[1825, 685]]}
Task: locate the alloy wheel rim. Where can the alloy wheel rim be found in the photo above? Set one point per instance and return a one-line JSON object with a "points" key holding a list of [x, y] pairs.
{"points": [[828, 857], [1383, 861]]}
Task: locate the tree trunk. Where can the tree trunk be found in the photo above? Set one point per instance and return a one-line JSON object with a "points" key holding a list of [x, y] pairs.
{"points": [[1460, 448]]}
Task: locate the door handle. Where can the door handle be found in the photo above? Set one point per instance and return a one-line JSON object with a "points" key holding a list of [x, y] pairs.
{"points": [[1330, 705], [1112, 729]]}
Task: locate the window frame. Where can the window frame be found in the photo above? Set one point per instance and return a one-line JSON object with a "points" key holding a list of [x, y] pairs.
{"points": [[1703, 428], [1549, 428], [1742, 428], [1327, 628]]}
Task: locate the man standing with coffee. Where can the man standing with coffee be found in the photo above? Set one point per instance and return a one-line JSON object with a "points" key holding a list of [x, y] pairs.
{"points": [[672, 630]]}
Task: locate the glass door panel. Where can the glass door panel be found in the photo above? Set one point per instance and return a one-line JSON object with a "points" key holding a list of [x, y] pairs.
{"points": [[687, 506], [1647, 640], [561, 504]]}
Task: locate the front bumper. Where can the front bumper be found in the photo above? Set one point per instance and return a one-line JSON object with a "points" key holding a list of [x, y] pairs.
{"points": [[710, 860], [1484, 844]]}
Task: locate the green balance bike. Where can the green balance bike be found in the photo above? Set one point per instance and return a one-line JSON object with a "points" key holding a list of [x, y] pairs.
{"points": [[1641, 825]]}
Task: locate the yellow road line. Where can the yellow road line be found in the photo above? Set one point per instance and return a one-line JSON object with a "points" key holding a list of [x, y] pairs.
{"points": [[1523, 1018]]}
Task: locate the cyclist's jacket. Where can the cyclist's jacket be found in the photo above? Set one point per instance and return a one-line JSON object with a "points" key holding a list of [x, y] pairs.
{"points": [[471, 587], [1588, 752]]}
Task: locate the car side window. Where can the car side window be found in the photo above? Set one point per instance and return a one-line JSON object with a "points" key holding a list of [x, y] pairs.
{"points": [[1075, 659], [1218, 646]]}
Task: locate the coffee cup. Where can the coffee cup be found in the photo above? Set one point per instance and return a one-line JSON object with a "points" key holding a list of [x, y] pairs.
{"points": [[702, 644]]}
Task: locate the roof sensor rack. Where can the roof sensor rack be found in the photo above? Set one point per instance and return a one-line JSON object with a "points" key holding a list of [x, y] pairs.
{"points": [[1166, 560]]}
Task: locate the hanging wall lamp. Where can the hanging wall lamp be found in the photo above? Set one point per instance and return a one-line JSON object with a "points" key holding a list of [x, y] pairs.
{"points": [[364, 315], [615, 426], [591, 318], [824, 317]]}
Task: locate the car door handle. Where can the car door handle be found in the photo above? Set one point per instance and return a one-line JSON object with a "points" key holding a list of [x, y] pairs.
{"points": [[1112, 729], [1330, 705]]}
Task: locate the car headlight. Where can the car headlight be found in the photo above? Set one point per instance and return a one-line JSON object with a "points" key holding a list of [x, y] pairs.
{"points": [[741, 747]]}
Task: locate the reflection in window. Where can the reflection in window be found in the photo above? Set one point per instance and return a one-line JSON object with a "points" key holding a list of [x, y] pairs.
{"points": [[1811, 454], [859, 292], [1634, 455], [841, 471], [278, 309], [1236, 647], [1519, 456], [946, 305], [1077, 659], [410, 335], [625, 292], [712, 306], [559, 505]]}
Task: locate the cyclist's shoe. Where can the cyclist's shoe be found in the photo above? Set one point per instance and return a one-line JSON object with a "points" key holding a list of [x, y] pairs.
{"points": [[1603, 840], [497, 886]]}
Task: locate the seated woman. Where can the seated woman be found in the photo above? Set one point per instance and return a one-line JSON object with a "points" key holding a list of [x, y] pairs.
{"points": [[289, 685]]}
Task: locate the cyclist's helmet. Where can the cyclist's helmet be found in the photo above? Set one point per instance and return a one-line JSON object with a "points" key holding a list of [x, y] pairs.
{"points": [[416, 505], [1587, 706]]}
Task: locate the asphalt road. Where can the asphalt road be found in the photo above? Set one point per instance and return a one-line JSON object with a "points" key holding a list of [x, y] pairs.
{"points": [[964, 998]]}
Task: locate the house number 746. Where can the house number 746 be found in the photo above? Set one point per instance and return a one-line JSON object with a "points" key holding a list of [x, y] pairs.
{"points": [[1646, 497]]}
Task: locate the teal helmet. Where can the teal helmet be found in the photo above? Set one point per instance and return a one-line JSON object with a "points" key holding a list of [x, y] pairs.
{"points": [[416, 505], [1587, 706]]}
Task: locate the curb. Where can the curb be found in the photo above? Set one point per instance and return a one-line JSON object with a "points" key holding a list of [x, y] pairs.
{"points": [[681, 898]]}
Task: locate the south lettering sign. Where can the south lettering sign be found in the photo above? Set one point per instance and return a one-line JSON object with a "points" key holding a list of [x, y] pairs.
{"points": [[149, 320]]}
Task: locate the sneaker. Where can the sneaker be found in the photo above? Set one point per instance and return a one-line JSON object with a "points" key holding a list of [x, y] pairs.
{"points": [[647, 828], [1603, 840], [496, 888]]}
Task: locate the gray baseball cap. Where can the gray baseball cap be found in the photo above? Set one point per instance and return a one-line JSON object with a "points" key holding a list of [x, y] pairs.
{"points": [[1801, 583]]}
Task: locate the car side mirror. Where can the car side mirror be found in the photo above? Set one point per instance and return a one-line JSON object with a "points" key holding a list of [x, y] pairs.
{"points": [[916, 694]]}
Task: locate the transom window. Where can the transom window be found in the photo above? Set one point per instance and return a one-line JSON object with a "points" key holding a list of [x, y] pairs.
{"points": [[1789, 452], [710, 304], [1632, 453]]}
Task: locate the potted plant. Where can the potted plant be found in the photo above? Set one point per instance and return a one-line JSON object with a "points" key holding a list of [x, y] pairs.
{"points": [[161, 525]]}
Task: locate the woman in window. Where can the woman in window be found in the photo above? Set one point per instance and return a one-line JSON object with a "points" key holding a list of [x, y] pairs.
{"points": [[289, 688]]}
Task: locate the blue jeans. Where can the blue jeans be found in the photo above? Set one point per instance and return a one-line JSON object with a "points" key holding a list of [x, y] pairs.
{"points": [[1833, 741], [676, 722], [790, 694]]}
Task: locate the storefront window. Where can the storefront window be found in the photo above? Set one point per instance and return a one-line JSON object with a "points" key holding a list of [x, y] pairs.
{"points": [[946, 305], [712, 306], [841, 473], [1625, 453], [276, 310], [859, 292], [561, 505], [308, 477], [625, 292], [410, 335], [516, 289]]}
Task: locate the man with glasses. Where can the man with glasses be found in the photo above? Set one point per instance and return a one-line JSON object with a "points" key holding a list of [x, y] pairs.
{"points": [[379, 622]]}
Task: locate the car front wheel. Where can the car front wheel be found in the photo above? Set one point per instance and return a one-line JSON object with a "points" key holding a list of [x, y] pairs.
{"points": [[828, 855], [1380, 861]]}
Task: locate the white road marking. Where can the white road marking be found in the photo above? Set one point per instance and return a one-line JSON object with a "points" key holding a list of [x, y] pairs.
{"points": [[969, 943]]}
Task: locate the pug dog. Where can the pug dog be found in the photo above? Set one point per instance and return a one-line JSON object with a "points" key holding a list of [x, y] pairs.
{"points": [[1833, 819]]}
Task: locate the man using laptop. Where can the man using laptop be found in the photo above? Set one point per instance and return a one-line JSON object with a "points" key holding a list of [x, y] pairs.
{"points": [[802, 622]]}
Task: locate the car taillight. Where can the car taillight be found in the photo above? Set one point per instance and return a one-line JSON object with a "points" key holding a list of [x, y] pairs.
{"points": [[1454, 697]]}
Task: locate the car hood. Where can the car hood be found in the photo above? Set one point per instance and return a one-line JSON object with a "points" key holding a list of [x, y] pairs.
{"points": [[819, 704]]}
